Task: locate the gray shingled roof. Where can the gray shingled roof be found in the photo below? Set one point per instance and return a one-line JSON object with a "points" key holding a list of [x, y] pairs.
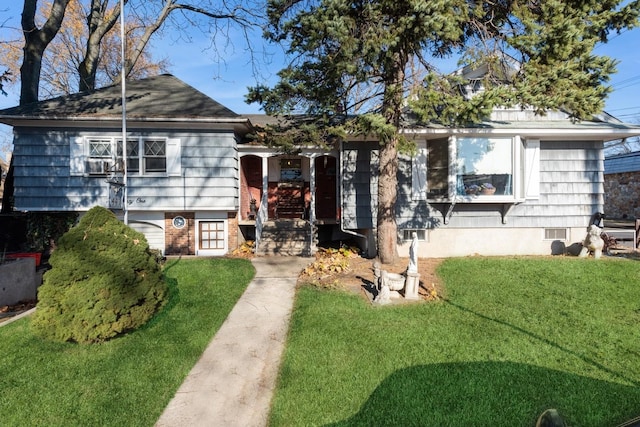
{"points": [[629, 162], [163, 96]]}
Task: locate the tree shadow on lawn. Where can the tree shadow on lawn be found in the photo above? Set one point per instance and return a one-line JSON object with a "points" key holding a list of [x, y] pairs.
{"points": [[495, 394]]}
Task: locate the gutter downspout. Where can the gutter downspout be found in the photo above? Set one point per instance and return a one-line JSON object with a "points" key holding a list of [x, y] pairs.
{"points": [[342, 229]]}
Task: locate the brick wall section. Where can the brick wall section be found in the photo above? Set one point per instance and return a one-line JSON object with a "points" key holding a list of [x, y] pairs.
{"points": [[622, 195], [183, 241], [232, 224], [245, 197], [180, 241]]}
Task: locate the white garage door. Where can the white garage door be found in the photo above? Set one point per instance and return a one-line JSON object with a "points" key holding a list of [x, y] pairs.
{"points": [[153, 233]]}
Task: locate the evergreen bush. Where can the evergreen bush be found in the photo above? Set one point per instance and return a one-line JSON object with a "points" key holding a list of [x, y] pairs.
{"points": [[104, 281]]}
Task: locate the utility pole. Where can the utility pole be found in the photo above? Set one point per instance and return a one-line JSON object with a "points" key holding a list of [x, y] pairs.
{"points": [[124, 114]]}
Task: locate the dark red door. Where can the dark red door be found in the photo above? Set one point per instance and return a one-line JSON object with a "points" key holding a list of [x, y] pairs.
{"points": [[252, 184], [325, 187]]}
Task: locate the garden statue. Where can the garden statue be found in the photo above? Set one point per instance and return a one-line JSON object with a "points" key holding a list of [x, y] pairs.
{"points": [[387, 284], [413, 277], [384, 293], [593, 243], [413, 254]]}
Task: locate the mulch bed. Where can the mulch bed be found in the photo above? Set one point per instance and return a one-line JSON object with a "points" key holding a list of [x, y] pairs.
{"points": [[8, 311]]}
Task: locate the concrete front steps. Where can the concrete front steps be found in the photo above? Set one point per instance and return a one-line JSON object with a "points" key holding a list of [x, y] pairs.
{"points": [[288, 237]]}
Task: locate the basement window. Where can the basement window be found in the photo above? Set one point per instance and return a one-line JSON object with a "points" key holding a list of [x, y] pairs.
{"points": [[407, 234], [555, 234]]}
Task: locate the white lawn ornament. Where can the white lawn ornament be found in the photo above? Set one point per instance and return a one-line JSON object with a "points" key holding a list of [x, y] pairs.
{"points": [[593, 243]]}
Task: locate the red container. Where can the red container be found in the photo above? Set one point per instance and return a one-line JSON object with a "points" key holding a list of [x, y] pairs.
{"points": [[36, 255]]}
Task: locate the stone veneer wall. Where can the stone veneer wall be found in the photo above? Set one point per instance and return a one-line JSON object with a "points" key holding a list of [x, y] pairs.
{"points": [[180, 241], [622, 195]]}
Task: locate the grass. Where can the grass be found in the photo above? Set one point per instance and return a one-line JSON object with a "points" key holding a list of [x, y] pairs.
{"points": [[511, 338], [127, 381]]}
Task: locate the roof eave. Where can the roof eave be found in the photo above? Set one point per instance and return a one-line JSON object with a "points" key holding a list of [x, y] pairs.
{"points": [[596, 134], [61, 121]]}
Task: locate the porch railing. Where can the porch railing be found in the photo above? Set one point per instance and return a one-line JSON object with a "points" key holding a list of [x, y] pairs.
{"points": [[261, 218]]}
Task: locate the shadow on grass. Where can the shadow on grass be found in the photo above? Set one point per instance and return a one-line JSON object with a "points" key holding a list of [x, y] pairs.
{"points": [[495, 394], [173, 297], [546, 341]]}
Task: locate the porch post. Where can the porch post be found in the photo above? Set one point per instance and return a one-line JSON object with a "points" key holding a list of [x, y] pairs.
{"points": [[265, 182], [312, 188]]}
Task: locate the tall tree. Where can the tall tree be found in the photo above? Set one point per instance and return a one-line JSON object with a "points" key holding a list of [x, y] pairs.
{"points": [[338, 46], [211, 16], [86, 52], [63, 57], [36, 41]]}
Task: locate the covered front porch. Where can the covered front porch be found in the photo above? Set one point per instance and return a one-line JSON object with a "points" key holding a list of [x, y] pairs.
{"points": [[300, 190], [296, 186]]}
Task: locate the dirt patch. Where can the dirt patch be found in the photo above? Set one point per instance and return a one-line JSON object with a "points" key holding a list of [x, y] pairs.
{"points": [[353, 273]]}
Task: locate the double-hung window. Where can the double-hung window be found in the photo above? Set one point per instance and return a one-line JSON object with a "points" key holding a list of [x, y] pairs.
{"points": [[101, 156], [144, 156], [133, 158], [154, 159]]}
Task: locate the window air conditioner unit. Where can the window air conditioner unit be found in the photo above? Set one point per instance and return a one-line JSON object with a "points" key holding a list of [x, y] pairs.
{"points": [[98, 167]]}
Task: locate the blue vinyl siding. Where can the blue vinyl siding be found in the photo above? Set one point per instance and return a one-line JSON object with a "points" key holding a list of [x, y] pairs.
{"points": [[571, 190], [208, 177]]}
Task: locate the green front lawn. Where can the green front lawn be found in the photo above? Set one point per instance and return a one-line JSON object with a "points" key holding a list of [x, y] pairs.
{"points": [[127, 381], [510, 338]]}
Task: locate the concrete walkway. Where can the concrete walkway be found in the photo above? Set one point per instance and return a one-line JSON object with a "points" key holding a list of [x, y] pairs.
{"points": [[233, 382]]}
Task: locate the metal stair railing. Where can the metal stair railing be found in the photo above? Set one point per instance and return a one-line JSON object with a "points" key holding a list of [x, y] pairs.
{"points": [[261, 218]]}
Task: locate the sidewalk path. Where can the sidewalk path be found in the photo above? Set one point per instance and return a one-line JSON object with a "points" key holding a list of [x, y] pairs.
{"points": [[233, 382]]}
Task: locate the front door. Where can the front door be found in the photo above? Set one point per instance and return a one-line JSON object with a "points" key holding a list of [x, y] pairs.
{"points": [[325, 187], [290, 202]]}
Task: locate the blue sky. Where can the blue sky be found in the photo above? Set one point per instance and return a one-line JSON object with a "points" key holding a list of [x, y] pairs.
{"points": [[227, 82]]}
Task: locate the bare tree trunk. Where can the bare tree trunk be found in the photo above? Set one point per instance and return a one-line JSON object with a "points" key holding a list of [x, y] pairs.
{"points": [[98, 28], [36, 41], [388, 166], [387, 195]]}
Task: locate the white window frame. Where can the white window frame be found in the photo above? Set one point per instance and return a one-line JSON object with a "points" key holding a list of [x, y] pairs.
{"points": [[531, 172], [100, 164], [419, 172], [212, 252], [478, 197], [80, 156], [144, 156], [135, 141], [549, 230], [525, 166], [406, 234]]}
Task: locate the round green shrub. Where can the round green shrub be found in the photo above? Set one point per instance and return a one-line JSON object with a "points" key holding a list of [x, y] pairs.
{"points": [[103, 281]]}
